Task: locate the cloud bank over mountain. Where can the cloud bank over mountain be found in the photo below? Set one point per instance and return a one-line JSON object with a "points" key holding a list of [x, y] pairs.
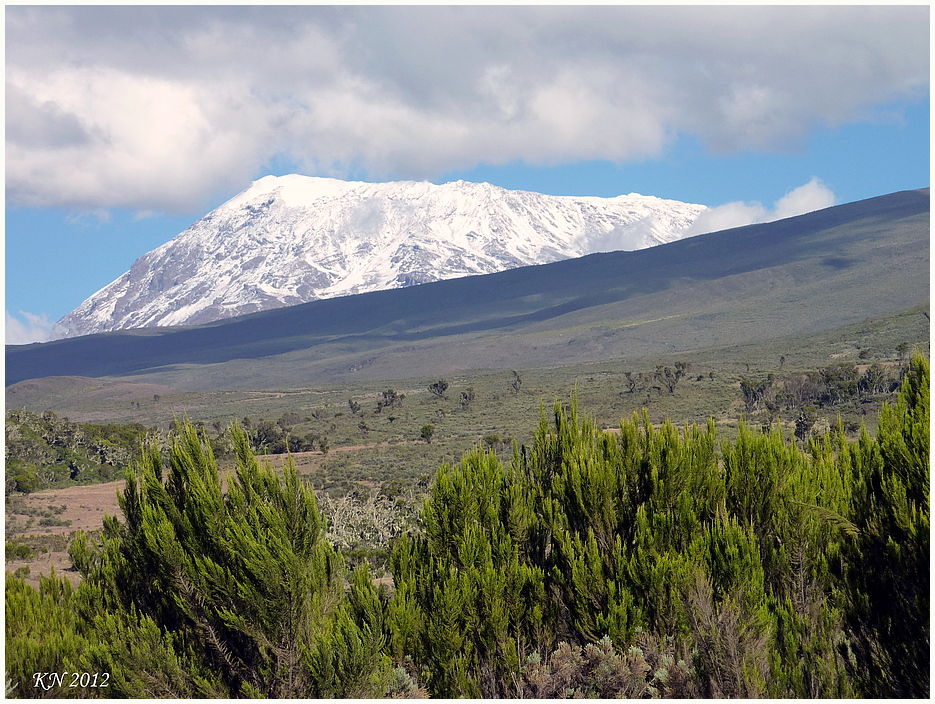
{"points": [[159, 109], [814, 195], [32, 328]]}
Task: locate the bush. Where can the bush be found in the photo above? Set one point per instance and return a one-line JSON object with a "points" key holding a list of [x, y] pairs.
{"points": [[599, 670], [21, 477], [19, 551], [250, 596]]}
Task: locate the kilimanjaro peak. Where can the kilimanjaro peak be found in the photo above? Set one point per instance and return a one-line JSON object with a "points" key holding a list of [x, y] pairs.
{"points": [[293, 239]]}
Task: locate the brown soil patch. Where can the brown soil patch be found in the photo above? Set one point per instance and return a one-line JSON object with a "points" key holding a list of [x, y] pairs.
{"points": [[85, 508]]}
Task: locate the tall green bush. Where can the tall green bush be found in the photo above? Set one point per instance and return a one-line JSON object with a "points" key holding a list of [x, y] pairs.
{"points": [[240, 582], [887, 574]]}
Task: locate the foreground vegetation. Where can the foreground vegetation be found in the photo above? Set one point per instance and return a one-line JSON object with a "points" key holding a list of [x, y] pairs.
{"points": [[649, 562]]}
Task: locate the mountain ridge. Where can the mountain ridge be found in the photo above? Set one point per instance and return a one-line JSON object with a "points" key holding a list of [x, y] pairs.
{"points": [[292, 239]]}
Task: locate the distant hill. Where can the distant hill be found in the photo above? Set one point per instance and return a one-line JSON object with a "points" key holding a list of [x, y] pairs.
{"points": [[293, 239], [809, 273]]}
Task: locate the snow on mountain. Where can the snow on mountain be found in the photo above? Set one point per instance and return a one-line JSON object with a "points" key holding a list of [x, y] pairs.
{"points": [[293, 239]]}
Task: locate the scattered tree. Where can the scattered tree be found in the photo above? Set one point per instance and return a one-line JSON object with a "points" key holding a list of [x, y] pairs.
{"points": [[517, 382], [439, 388], [467, 397], [670, 378]]}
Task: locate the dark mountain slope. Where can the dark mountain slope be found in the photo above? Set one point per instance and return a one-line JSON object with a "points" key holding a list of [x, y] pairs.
{"points": [[815, 271]]}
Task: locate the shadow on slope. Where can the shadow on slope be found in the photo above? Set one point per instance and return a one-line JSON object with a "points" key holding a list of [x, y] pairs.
{"points": [[834, 252]]}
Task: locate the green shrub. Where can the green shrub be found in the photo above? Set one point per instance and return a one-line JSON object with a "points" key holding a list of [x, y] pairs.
{"points": [[19, 551], [250, 596]]}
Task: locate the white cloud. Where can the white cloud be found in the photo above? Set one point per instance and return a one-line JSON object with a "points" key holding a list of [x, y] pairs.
{"points": [[137, 135], [35, 328], [159, 108], [724, 217], [814, 195]]}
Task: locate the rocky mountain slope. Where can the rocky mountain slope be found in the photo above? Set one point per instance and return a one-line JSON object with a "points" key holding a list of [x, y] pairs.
{"points": [[293, 239]]}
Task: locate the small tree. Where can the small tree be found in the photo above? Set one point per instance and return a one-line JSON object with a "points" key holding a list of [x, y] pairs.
{"points": [[840, 382], [427, 432], [439, 388], [755, 392], [805, 421], [517, 382], [391, 399], [875, 380], [670, 378], [631, 382], [21, 476], [467, 397]]}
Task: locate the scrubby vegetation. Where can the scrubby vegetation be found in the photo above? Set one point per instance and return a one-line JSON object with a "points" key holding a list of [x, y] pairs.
{"points": [[649, 562], [44, 451]]}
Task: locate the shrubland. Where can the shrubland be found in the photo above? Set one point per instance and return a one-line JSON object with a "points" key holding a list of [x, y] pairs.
{"points": [[43, 451], [653, 561]]}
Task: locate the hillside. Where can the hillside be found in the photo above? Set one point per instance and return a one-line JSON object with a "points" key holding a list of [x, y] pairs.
{"points": [[805, 274]]}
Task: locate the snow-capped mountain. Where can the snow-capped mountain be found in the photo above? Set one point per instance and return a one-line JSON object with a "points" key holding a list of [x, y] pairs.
{"points": [[293, 239]]}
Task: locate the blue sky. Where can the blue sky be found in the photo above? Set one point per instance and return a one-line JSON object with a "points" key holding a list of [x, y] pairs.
{"points": [[125, 125]]}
